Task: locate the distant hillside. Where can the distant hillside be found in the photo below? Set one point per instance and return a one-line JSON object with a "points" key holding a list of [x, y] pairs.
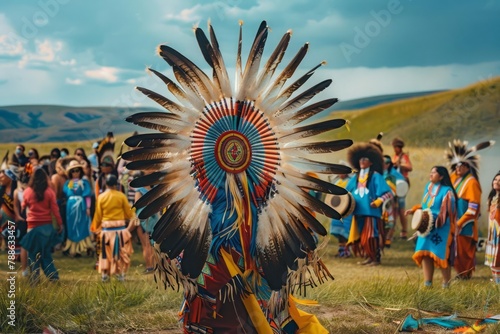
{"points": [[471, 113], [46, 123], [371, 101]]}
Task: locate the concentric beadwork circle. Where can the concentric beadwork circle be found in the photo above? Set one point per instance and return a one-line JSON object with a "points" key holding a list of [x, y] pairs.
{"points": [[233, 152]]}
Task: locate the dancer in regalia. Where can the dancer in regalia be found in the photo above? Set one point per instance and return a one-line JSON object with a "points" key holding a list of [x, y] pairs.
{"points": [[370, 191], [230, 167], [464, 164], [493, 243], [434, 246]]}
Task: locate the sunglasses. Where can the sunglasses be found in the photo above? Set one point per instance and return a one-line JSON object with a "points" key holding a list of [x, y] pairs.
{"points": [[79, 154], [106, 165], [74, 171]]}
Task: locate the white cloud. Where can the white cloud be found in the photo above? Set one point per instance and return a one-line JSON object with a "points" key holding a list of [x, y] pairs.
{"points": [[10, 46], [73, 81], [186, 15], [46, 52], [104, 73]]}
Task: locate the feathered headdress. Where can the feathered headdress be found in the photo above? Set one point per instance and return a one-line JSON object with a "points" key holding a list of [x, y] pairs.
{"points": [[230, 163], [5, 161], [377, 141], [106, 149], [459, 152]]}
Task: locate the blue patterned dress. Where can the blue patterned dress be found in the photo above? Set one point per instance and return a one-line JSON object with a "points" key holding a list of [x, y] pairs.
{"points": [[77, 221], [438, 244]]}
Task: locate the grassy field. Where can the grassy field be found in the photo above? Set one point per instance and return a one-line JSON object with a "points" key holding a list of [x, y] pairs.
{"points": [[359, 300]]}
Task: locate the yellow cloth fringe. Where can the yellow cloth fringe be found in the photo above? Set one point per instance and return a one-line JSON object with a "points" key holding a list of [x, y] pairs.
{"points": [[307, 323], [250, 301], [354, 234]]}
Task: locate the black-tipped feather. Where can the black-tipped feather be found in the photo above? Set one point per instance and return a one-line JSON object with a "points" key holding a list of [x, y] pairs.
{"points": [[306, 165], [154, 140], [196, 252], [313, 129], [324, 147], [309, 111], [161, 100], [148, 180], [302, 98]]}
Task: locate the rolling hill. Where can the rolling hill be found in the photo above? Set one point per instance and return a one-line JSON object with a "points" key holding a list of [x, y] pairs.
{"points": [[47, 123], [471, 113]]}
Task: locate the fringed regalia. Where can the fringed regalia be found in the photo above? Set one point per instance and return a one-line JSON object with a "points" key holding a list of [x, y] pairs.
{"points": [[229, 166], [492, 257], [438, 244], [469, 193]]}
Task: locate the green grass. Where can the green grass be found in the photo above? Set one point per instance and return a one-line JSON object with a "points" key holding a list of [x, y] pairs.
{"points": [[359, 300]]}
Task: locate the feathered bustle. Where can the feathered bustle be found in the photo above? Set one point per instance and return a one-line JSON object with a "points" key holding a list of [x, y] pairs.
{"points": [[226, 162]]}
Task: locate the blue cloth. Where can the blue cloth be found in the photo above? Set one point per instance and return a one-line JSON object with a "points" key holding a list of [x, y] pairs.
{"points": [[149, 224], [397, 174], [401, 200], [376, 187], [340, 228], [462, 206], [436, 242], [77, 221], [39, 242]]}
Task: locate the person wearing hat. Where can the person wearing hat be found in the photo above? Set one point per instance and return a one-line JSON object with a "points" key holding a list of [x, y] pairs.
{"points": [[492, 257], [435, 225], [464, 176], [402, 164], [77, 191], [110, 225], [370, 191]]}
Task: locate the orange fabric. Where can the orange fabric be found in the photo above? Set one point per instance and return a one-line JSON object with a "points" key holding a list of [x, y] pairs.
{"points": [[107, 259], [465, 264], [404, 163], [470, 191]]}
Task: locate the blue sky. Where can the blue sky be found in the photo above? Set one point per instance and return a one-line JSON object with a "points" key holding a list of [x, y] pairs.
{"points": [[77, 53]]}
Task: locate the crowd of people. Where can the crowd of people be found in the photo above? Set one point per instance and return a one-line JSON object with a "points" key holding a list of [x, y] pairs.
{"points": [[445, 222], [82, 206], [77, 204]]}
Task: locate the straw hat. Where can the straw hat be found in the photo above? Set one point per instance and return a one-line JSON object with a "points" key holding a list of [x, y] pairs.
{"points": [[72, 165]]}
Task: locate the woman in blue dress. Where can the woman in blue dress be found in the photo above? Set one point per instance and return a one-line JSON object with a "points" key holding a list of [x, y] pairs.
{"points": [[78, 191], [435, 247]]}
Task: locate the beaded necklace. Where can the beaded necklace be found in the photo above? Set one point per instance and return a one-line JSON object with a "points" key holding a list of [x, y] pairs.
{"points": [[429, 196]]}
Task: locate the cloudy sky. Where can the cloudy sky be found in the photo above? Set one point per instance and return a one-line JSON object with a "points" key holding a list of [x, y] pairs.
{"points": [[77, 53]]}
